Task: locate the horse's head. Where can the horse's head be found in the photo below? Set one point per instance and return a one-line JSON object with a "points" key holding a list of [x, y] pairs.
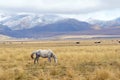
{"points": [[55, 58]]}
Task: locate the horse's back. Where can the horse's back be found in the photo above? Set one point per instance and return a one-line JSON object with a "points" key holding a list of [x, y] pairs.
{"points": [[45, 53]]}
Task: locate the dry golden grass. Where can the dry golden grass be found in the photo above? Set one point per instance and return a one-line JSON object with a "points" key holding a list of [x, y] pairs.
{"points": [[84, 61]]}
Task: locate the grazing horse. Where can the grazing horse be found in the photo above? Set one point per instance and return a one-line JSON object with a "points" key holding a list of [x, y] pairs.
{"points": [[44, 54]]}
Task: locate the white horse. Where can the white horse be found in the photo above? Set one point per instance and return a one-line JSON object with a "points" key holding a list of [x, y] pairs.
{"points": [[44, 54]]}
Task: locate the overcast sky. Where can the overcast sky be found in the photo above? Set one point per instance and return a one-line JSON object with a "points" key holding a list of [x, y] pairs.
{"points": [[81, 9]]}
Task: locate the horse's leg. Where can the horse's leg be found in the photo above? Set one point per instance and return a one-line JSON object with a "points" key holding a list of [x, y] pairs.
{"points": [[35, 60], [49, 59]]}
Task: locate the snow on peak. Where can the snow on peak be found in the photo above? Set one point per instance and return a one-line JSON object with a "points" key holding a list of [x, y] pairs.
{"points": [[27, 20]]}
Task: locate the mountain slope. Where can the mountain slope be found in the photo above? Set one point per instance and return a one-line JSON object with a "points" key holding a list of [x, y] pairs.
{"points": [[111, 24], [4, 29], [62, 26]]}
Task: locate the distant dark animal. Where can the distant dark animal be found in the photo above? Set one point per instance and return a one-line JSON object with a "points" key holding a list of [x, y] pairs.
{"points": [[98, 42], [44, 54], [77, 42], [118, 41]]}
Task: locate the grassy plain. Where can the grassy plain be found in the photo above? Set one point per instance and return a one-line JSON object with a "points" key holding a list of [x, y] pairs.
{"points": [[84, 61]]}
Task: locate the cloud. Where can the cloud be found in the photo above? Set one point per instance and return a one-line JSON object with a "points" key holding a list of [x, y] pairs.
{"points": [[101, 15], [51, 6], [110, 3], [81, 9]]}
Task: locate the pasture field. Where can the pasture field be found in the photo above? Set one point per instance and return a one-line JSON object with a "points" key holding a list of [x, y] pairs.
{"points": [[84, 61]]}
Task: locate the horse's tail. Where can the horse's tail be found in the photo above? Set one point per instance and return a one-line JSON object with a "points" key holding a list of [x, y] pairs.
{"points": [[32, 55]]}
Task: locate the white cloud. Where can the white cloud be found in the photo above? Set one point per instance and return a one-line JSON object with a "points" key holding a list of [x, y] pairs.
{"points": [[55, 6], [102, 9], [101, 15]]}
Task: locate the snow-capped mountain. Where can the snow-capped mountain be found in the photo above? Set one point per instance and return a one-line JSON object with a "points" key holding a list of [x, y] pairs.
{"points": [[24, 25], [3, 17], [35, 25], [26, 21], [115, 23]]}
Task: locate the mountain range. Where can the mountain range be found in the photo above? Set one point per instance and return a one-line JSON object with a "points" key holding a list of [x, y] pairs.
{"points": [[115, 23], [40, 26]]}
